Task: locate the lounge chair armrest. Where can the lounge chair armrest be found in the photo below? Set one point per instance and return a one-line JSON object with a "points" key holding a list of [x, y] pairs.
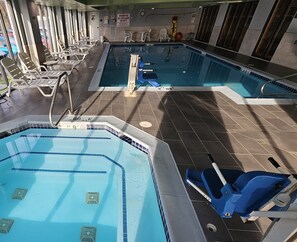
{"points": [[43, 68], [31, 71]]}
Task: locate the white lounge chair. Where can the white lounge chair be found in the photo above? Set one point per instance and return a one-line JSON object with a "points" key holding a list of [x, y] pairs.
{"points": [[60, 59], [41, 71], [81, 45], [164, 35], [73, 50], [20, 81], [85, 39]]}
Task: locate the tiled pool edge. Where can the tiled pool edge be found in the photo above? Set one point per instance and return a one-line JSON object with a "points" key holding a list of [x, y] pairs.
{"points": [[99, 70], [172, 193]]}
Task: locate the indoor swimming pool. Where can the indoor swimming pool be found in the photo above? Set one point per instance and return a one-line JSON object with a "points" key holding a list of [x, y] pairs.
{"points": [[178, 66], [77, 185]]}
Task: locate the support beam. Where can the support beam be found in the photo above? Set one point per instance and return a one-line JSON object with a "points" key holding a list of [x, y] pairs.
{"points": [[29, 15], [12, 20], [3, 27]]}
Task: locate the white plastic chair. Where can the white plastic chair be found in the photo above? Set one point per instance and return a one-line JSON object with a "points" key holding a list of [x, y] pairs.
{"points": [[146, 36], [128, 36], [164, 35]]}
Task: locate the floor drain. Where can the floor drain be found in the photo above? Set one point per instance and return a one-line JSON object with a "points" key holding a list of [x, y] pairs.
{"points": [[145, 124], [92, 197], [211, 228], [88, 234], [19, 193], [5, 225]]}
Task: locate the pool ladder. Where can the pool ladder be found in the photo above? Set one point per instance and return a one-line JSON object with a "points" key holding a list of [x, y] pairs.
{"points": [[275, 80], [70, 109]]}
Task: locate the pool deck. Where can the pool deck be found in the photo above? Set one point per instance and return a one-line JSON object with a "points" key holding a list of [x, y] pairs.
{"points": [[193, 124]]}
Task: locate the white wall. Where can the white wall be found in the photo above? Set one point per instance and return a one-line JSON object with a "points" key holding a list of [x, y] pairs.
{"points": [[152, 19]]}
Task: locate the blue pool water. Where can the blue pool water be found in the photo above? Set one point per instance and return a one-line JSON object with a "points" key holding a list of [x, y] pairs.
{"points": [[58, 168], [180, 66]]}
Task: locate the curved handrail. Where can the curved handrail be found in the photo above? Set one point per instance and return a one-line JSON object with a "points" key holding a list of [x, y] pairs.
{"points": [[54, 125], [274, 80]]}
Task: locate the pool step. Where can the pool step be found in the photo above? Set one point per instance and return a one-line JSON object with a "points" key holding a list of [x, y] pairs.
{"points": [[88, 234], [5, 225], [92, 197]]}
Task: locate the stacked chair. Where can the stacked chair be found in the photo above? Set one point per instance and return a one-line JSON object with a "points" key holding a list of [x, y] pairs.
{"points": [[81, 45], [87, 40], [73, 50]]}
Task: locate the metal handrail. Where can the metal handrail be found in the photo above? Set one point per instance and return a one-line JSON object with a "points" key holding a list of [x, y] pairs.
{"points": [[54, 125], [275, 80]]}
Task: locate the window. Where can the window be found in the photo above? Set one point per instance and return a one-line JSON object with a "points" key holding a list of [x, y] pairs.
{"points": [[236, 23], [277, 24], [207, 21]]}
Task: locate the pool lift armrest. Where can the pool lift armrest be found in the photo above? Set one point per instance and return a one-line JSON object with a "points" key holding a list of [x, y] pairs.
{"points": [[282, 199]]}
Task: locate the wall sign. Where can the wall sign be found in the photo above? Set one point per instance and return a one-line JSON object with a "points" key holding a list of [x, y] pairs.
{"points": [[123, 20]]}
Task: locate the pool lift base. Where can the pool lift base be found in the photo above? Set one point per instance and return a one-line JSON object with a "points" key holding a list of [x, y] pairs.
{"points": [[132, 77]]}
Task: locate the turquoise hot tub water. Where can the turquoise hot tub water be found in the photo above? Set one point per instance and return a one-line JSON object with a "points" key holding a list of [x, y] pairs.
{"points": [[180, 66], [76, 185]]}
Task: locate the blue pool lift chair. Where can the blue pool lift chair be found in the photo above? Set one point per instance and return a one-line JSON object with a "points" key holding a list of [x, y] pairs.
{"points": [[251, 194], [146, 75]]}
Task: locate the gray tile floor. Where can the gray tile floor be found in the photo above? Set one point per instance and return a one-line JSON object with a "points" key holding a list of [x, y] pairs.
{"points": [[193, 124]]}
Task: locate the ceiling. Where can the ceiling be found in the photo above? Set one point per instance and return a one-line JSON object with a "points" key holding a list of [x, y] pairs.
{"points": [[91, 5]]}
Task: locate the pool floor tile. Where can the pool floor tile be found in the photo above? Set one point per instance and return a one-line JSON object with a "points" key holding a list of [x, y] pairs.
{"points": [[207, 215]]}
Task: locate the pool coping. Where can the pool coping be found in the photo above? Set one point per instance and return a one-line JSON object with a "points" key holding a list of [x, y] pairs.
{"points": [[228, 92], [180, 216]]}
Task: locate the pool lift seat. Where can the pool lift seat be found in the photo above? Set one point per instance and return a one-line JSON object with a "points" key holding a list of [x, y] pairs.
{"points": [[137, 73], [146, 75], [251, 194]]}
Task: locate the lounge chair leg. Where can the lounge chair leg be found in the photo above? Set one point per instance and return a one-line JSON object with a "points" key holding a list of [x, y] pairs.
{"points": [[9, 91]]}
